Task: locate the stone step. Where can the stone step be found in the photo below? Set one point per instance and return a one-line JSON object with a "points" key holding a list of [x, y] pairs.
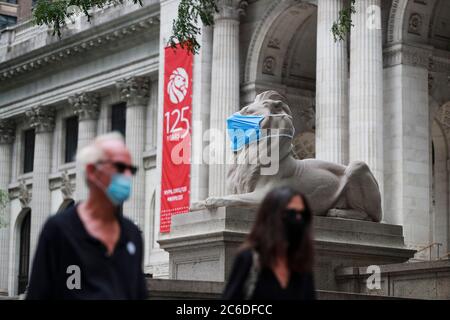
{"points": [[212, 290]]}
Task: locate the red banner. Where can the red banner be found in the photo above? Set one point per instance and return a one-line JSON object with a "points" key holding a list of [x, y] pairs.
{"points": [[176, 146]]}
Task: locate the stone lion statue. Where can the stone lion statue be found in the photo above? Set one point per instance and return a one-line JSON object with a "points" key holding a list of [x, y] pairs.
{"points": [[332, 189]]}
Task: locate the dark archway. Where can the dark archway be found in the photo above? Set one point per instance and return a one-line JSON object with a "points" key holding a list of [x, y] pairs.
{"points": [[24, 251]]}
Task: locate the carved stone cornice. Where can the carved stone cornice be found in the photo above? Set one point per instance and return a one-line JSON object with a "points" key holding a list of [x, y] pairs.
{"points": [[407, 55], [135, 90], [24, 194], [42, 119], [79, 44], [230, 9], [85, 105], [7, 131]]}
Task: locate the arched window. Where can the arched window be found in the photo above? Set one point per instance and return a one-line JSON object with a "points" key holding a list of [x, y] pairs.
{"points": [[24, 251]]}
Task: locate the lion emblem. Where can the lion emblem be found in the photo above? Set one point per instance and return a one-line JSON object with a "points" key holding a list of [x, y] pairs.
{"points": [[178, 85], [332, 189]]}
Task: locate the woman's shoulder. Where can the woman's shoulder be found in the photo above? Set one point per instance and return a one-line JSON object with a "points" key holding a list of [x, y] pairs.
{"points": [[244, 255]]}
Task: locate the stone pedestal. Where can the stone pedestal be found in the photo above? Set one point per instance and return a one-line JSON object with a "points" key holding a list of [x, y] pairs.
{"points": [[202, 245]]}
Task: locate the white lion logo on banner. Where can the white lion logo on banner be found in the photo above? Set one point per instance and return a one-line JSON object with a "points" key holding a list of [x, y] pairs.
{"points": [[178, 85]]}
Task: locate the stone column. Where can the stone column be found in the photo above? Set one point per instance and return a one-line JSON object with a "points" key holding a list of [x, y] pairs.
{"points": [[407, 141], [135, 91], [87, 107], [331, 87], [152, 118], [224, 85], [42, 119], [366, 87], [7, 133]]}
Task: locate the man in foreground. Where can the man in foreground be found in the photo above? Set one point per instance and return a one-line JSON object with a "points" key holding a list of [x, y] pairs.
{"points": [[90, 251]]}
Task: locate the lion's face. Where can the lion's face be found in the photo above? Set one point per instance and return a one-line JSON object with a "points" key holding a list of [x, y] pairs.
{"points": [[271, 106], [243, 176]]}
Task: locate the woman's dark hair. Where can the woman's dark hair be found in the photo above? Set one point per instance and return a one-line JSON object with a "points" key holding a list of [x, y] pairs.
{"points": [[268, 237]]}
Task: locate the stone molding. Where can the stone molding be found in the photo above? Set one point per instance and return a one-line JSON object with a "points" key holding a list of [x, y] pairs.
{"points": [[86, 105], [150, 159], [41, 118], [407, 55], [7, 131], [134, 90], [16, 67]]}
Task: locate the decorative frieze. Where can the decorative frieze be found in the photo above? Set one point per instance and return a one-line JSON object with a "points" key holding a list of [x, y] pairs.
{"points": [[440, 64], [86, 105], [42, 119], [7, 131], [135, 90], [407, 55]]}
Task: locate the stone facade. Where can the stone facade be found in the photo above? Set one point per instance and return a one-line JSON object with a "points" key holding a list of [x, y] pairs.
{"points": [[382, 98]]}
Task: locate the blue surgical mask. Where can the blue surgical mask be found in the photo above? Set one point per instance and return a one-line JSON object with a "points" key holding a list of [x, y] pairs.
{"points": [[119, 189], [243, 129]]}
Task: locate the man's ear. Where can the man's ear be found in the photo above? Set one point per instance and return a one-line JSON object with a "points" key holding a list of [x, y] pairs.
{"points": [[90, 169]]}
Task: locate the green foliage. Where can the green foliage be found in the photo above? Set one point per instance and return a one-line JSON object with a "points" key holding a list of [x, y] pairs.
{"points": [[186, 28], [343, 25], [3, 203], [55, 12]]}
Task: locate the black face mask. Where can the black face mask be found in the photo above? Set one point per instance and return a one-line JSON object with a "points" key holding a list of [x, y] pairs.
{"points": [[294, 227]]}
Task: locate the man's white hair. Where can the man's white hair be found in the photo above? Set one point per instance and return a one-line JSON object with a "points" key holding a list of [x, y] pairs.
{"points": [[93, 152]]}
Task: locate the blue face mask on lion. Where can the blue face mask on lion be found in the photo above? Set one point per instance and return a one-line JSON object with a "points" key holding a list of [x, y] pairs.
{"points": [[245, 129]]}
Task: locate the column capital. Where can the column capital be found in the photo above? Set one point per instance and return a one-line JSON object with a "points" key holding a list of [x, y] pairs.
{"points": [[42, 119], [7, 131], [85, 105], [134, 90], [230, 9], [397, 54]]}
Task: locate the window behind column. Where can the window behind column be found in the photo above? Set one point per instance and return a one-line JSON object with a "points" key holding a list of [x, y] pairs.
{"points": [[118, 117], [71, 139], [6, 21], [28, 154], [118, 123]]}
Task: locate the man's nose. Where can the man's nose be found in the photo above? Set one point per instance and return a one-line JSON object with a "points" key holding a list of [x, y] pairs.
{"points": [[128, 173]]}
